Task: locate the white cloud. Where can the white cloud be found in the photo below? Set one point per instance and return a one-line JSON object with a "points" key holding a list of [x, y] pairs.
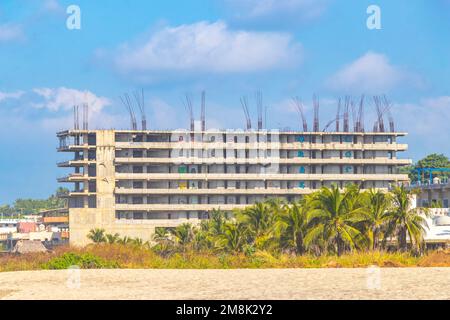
{"points": [[97, 120], [209, 47], [51, 108], [52, 6], [442, 103], [302, 9], [10, 95], [371, 73], [10, 32], [429, 116], [426, 123], [62, 98]]}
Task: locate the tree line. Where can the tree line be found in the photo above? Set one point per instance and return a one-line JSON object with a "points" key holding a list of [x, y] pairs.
{"points": [[433, 160], [34, 206], [328, 221]]}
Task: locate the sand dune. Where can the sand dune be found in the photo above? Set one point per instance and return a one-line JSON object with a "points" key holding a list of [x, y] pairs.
{"points": [[386, 283]]}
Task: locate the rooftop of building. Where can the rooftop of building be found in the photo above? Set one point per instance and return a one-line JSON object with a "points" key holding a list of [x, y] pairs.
{"points": [[438, 225], [233, 131], [435, 184]]}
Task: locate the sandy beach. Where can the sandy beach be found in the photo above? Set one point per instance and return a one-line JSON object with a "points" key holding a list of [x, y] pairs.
{"points": [[385, 283]]}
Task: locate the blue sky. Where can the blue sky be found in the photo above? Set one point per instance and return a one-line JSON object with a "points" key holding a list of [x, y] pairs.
{"points": [[229, 48]]}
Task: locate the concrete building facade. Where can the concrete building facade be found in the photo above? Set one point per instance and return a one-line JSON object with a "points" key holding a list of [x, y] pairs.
{"points": [[435, 194], [130, 182]]}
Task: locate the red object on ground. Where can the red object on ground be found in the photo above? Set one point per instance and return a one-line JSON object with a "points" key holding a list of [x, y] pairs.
{"points": [[26, 227]]}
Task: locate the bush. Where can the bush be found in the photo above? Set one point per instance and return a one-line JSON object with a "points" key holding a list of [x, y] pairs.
{"points": [[224, 261], [249, 250], [83, 260], [263, 259]]}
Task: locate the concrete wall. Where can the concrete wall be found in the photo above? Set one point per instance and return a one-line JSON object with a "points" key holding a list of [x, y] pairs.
{"points": [[82, 220], [435, 194]]}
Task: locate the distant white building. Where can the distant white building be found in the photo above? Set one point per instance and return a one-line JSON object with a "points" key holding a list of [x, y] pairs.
{"points": [[439, 227], [8, 226], [438, 231]]}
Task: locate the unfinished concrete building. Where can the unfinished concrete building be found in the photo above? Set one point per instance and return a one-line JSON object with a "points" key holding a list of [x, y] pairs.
{"points": [[132, 181]]}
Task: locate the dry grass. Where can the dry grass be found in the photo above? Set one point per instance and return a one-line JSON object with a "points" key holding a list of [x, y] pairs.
{"points": [[126, 256], [436, 259]]}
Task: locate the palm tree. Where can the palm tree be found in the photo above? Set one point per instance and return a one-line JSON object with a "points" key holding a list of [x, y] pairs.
{"points": [[256, 217], [138, 242], [333, 217], [183, 234], [405, 221], [259, 221], [292, 226], [233, 237], [160, 235], [216, 222], [97, 235], [208, 233], [112, 238], [276, 206], [354, 198], [377, 205], [201, 239], [125, 240]]}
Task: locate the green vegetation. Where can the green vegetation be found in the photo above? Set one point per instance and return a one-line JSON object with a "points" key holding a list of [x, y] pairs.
{"points": [[98, 236], [327, 222], [34, 206], [84, 261], [328, 228], [134, 257], [430, 161]]}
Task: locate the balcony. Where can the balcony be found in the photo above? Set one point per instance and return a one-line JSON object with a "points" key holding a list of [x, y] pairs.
{"points": [[75, 177], [63, 194], [73, 132], [52, 220], [75, 163], [218, 191], [74, 147], [260, 160], [74, 193], [262, 146], [165, 223], [263, 177], [178, 207]]}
